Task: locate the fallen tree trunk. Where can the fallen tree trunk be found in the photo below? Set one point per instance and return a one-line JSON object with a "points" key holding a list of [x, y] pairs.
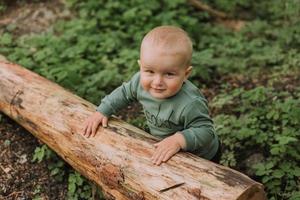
{"points": [[118, 157]]}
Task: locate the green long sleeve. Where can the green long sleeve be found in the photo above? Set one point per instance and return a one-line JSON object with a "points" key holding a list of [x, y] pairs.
{"points": [[120, 97], [198, 130]]}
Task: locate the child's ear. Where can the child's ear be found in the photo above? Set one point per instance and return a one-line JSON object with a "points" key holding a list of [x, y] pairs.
{"points": [[188, 71], [139, 62]]}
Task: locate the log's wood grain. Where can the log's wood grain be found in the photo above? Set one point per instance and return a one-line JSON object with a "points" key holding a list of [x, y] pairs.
{"points": [[118, 157]]}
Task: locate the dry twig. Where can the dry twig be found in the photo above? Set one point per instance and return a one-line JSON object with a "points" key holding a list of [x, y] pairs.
{"points": [[220, 16], [207, 8]]}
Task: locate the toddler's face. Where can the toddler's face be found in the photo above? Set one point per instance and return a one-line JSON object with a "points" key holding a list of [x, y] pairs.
{"points": [[162, 74]]}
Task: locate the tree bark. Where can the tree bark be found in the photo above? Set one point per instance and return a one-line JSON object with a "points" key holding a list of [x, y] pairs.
{"points": [[118, 158]]}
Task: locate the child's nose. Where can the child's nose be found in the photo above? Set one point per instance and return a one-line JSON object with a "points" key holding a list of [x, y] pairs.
{"points": [[158, 80]]}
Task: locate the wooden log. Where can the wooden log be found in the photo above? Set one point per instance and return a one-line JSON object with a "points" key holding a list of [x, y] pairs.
{"points": [[118, 157]]}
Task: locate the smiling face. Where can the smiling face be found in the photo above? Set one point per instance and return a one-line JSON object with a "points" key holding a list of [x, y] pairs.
{"points": [[162, 74], [164, 61]]}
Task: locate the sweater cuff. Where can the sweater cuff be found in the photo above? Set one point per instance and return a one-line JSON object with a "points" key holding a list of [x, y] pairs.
{"points": [[189, 140], [105, 110]]}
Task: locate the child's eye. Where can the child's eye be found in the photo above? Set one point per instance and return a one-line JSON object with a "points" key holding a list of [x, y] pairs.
{"points": [[170, 74], [149, 71]]}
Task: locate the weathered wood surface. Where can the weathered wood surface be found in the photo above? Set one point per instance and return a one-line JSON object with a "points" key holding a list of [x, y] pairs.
{"points": [[118, 157]]}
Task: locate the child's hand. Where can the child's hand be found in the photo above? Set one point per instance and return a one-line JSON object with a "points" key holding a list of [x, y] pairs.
{"points": [[166, 148], [91, 124]]}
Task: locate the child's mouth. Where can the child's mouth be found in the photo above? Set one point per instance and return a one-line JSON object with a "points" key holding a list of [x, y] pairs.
{"points": [[158, 90]]}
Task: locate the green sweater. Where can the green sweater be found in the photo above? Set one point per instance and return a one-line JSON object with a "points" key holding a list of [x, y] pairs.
{"points": [[186, 112]]}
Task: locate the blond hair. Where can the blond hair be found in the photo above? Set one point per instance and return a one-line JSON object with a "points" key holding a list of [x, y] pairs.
{"points": [[174, 39]]}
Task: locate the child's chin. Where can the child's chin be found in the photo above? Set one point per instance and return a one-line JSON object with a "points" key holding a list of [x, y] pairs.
{"points": [[159, 95]]}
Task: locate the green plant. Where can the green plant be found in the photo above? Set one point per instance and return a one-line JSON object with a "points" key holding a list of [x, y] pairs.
{"points": [[267, 123], [57, 169], [55, 164], [36, 193], [41, 153], [78, 187]]}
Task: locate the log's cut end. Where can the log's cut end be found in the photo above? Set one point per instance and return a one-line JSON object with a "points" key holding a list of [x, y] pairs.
{"points": [[253, 192]]}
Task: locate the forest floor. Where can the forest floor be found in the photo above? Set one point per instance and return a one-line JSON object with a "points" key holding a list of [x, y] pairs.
{"points": [[22, 179]]}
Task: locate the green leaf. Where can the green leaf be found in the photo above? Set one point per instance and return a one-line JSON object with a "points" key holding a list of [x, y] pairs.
{"points": [[269, 165], [295, 195], [275, 150], [296, 172], [278, 173], [5, 39], [79, 180], [266, 179], [285, 166], [283, 140], [54, 171], [71, 187], [39, 154]]}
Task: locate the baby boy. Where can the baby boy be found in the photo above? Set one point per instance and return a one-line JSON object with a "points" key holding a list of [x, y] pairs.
{"points": [[175, 109]]}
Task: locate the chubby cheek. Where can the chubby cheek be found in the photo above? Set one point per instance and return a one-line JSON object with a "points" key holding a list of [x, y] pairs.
{"points": [[174, 87], [145, 83]]}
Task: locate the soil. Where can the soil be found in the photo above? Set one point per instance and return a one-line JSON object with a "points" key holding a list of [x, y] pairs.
{"points": [[20, 178], [31, 17]]}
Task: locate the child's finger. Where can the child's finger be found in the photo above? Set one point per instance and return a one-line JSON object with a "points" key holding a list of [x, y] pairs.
{"points": [[88, 131], [167, 156], [84, 129], [104, 122], [156, 155], [94, 129], [153, 157], [84, 126], [161, 157]]}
